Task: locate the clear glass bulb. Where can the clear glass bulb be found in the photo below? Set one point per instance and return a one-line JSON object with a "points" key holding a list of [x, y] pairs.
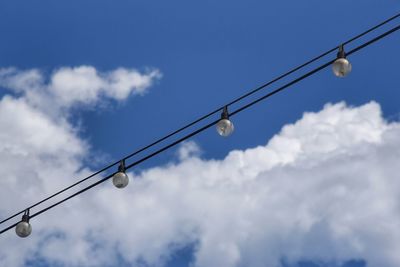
{"points": [[225, 127], [120, 180], [23, 229], [341, 67]]}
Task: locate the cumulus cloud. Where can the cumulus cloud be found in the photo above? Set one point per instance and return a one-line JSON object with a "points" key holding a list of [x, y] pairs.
{"points": [[40, 150], [188, 149], [325, 188], [69, 86]]}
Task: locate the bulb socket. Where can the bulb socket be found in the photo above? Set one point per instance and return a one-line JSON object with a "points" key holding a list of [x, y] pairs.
{"points": [[121, 167], [341, 53], [25, 218], [225, 114]]}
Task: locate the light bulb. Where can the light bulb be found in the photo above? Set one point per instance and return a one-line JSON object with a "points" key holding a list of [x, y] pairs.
{"points": [[23, 228], [120, 179], [341, 67], [225, 127]]}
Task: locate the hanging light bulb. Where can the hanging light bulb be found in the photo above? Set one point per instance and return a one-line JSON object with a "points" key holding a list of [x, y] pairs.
{"points": [[120, 179], [225, 126], [341, 67], [24, 228]]}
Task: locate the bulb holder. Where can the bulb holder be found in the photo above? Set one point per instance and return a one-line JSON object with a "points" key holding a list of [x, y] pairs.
{"points": [[341, 53], [25, 218], [225, 114], [121, 167]]}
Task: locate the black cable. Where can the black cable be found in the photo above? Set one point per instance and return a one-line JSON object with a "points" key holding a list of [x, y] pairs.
{"points": [[59, 192], [111, 165], [371, 29], [312, 60], [358, 48], [308, 74], [111, 175], [204, 117]]}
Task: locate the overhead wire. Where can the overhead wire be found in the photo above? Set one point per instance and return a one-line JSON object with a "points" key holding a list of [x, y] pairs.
{"points": [[207, 116]]}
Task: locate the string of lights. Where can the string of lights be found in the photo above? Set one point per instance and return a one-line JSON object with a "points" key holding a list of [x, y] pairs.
{"points": [[341, 68], [204, 117]]}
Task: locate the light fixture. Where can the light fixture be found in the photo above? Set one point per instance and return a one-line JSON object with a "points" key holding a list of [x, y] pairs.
{"points": [[120, 179], [225, 126], [341, 67], [24, 228]]}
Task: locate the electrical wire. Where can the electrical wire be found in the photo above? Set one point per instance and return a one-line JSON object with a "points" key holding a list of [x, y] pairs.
{"points": [[308, 74], [204, 117], [216, 110], [358, 48]]}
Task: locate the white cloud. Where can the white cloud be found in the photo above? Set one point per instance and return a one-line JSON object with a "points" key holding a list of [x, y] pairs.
{"points": [[84, 84], [325, 188], [68, 86], [20, 81], [187, 150]]}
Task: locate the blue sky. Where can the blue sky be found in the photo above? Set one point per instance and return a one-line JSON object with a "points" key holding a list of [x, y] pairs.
{"points": [[208, 52]]}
